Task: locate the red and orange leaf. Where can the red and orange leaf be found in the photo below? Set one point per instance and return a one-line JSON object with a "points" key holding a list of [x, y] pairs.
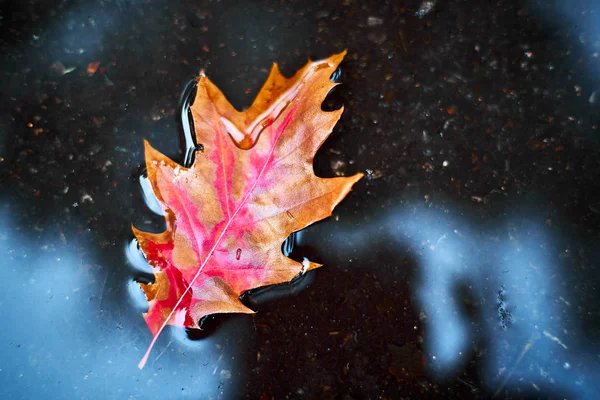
{"points": [[247, 191]]}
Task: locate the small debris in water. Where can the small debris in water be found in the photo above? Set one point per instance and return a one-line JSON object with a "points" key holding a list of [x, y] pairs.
{"points": [[86, 198], [594, 98], [338, 166], [238, 254], [377, 38], [225, 374], [425, 8], [60, 69], [93, 67], [322, 14], [555, 339], [373, 174], [503, 313], [374, 21]]}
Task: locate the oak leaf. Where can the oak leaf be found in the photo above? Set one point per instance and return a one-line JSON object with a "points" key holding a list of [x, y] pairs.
{"points": [[250, 187]]}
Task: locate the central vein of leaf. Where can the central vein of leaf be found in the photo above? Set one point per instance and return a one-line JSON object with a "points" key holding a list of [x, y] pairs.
{"points": [[281, 128]]}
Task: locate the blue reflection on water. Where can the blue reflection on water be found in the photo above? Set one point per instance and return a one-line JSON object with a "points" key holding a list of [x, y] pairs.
{"points": [[525, 312], [69, 329]]}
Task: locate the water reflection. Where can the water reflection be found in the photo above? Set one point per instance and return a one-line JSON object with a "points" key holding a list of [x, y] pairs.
{"points": [[511, 277], [69, 329]]}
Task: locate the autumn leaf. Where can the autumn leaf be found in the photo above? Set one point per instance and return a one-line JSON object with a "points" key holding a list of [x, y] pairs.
{"points": [[250, 187]]}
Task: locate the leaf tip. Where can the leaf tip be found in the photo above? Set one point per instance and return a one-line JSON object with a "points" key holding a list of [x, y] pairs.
{"points": [[309, 265], [135, 230], [355, 178], [336, 59], [152, 155], [148, 149], [275, 68]]}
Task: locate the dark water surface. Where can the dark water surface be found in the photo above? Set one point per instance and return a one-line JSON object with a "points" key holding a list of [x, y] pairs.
{"points": [[465, 264]]}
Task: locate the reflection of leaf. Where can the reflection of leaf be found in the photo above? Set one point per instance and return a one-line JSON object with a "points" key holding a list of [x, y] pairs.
{"points": [[252, 185]]}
